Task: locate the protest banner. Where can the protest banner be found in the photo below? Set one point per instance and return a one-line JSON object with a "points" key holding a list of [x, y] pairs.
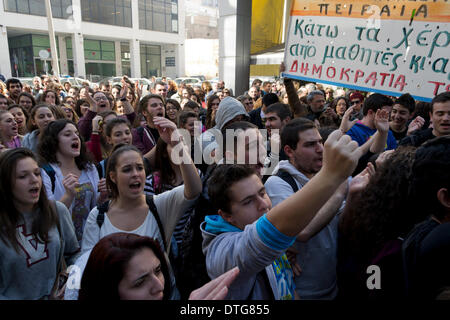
{"points": [[389, 47]]}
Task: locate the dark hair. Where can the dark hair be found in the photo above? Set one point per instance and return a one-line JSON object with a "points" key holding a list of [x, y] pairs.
{"points": [[380, 212], [431, 172], [112, 163], [108, 261], [80, 102], [49, 143], [375, 102], [33, 111], [24, 111], [44, 95], [9, 214], [104, 84], [174, 102], [113, 123], [28, 95], [162, 165], [144, 102], [440, 98], [314, 93], [282, 110], [222, 179], [423, 109], [290, 135], [256, 82], [184, 116], [158, 83], [235, 126], [335, 101], [406, 101], [12, 80], [269, 99], [210, 122], [191, 105]]}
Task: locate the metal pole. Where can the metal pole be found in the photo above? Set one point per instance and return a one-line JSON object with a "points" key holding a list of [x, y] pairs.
{"points": [[51, 35]]}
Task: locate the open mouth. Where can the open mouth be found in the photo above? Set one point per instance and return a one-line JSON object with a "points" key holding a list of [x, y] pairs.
{"points": [[34, 192], [135, 186], [75, 145]]}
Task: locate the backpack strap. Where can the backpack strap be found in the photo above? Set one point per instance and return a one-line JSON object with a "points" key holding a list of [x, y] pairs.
{"points": [[51, 173], [101, 213], [101, 168], [286, 176], [151, 205]]}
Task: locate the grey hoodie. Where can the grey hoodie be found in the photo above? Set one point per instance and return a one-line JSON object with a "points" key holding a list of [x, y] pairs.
{"points": [[229, 108], [30, 140], [30, 273], [226, 247]]}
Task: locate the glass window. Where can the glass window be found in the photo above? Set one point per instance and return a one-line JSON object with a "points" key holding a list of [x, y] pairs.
{"points": [[150, 60], [158, 15], [23, 6], [37, 7], [113, 12]]}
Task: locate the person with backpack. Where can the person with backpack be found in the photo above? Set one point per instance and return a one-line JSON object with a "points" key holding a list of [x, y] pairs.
{"points": [[68, 173], [37, 237], [129, 210], [316, 244], [247, 232]]}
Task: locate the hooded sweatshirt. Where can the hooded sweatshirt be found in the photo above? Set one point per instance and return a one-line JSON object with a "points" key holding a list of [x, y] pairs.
{"points": [[318, 256], [30, 140], [229, 108], [30, 272], [258, 251]]}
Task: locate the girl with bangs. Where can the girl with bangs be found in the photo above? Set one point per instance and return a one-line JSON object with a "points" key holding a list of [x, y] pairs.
{"points": [[69, 175]]}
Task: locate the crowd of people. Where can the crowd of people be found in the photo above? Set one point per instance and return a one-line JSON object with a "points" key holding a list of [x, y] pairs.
{"points": [[107, 193]]}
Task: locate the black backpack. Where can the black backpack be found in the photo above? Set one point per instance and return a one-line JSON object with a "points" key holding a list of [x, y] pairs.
{"points": [[51, 173], [286, 176], [191, 262], [103, 208]]}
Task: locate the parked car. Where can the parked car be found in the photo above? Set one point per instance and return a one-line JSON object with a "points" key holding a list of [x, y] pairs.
{"points": [[28, 81], [187, 81], [74, 81], [201, 78]]}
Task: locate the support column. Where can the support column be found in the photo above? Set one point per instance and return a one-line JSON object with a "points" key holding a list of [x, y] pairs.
{"points": [[64, 67], [79, 64], [235, 18], [118, 54], [135, 58], [5, 60], [78, 55]]}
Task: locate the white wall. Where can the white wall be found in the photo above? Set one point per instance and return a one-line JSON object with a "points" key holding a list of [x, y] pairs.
{"points": [[202, 57], [77, 28]]}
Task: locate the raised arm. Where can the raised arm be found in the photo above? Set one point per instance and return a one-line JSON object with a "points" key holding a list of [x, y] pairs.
{"points": [[340, 158], [180, 156], [380, 137], [127, 107], [297, 107]]}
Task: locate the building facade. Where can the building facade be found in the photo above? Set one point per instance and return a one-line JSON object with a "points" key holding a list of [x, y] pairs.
{"points": [[94, 38]]}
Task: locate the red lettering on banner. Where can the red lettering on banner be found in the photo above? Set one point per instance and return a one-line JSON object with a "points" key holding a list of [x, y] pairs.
{"points": [[334, 72], [294, 67], [359, 74]]}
